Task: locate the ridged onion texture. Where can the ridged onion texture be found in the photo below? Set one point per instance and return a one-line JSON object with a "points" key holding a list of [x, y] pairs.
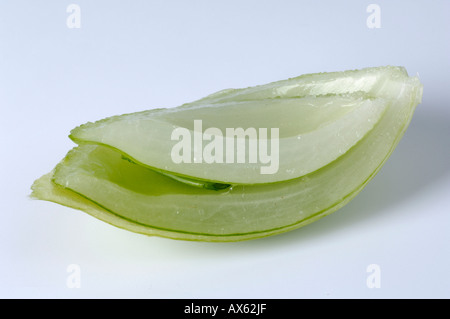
{"points": [[298, 150]]}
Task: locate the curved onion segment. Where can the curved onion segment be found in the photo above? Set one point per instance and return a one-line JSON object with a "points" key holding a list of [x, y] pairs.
{"points": [[238, 164]]}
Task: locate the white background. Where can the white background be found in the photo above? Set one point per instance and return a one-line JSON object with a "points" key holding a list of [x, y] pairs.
{"points": [[134, 55]]}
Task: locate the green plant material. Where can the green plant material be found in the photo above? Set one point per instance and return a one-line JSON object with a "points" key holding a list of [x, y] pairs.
{"points": [[336, 130], [306, 125]]}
